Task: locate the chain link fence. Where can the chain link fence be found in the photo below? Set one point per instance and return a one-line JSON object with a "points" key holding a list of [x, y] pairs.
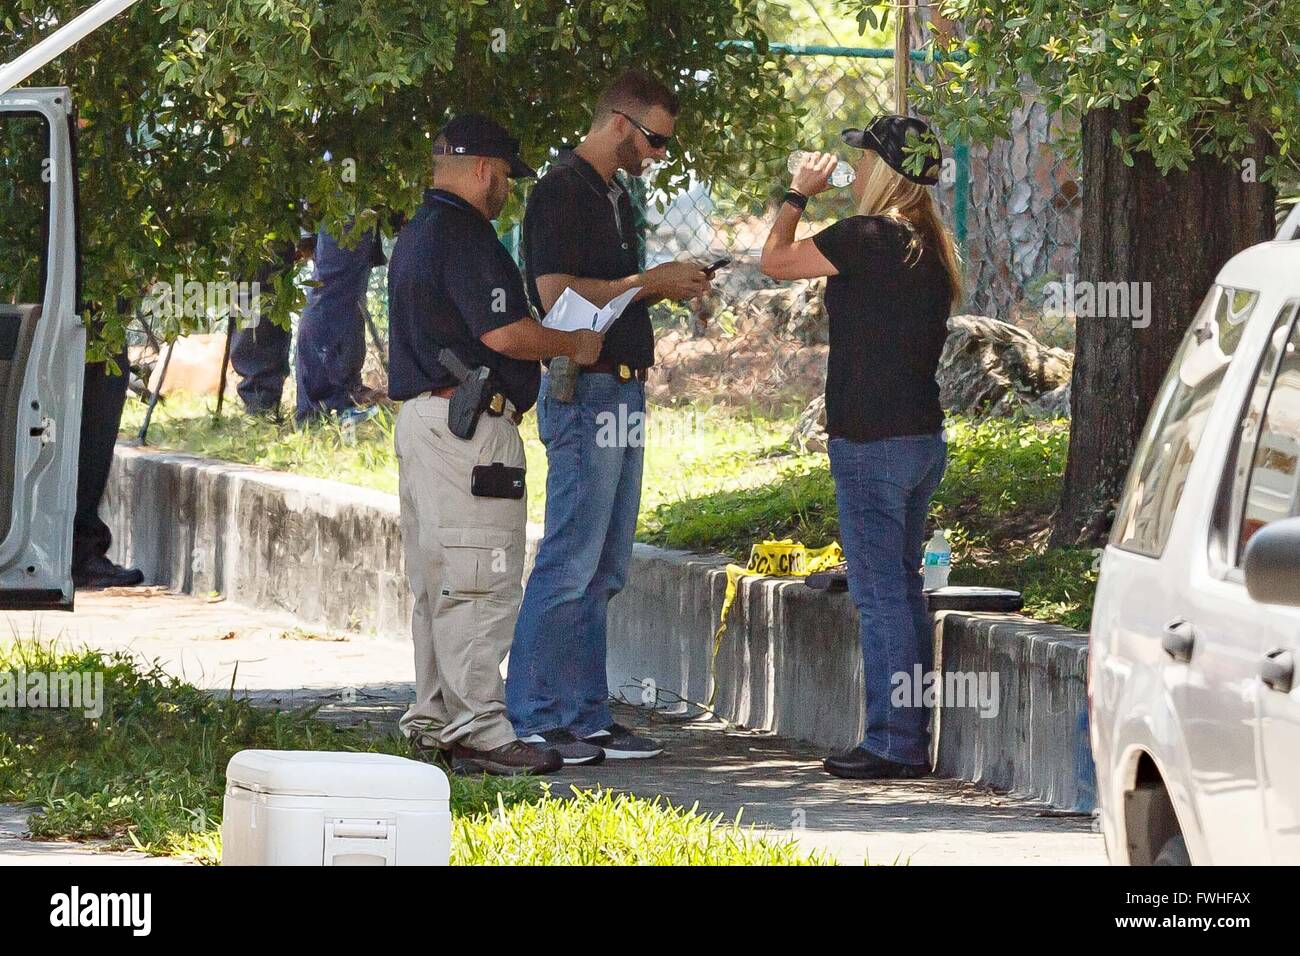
{"points": [[759, 344], [1013, 207]]}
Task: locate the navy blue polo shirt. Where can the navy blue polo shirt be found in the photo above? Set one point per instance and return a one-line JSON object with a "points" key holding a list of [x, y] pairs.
{"points": [[450, 281], [579, 225]]}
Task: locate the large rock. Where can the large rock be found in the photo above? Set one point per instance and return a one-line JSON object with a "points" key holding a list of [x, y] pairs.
{"points": [[796, 310], [993, 368], [987, 368], [810, 430]]}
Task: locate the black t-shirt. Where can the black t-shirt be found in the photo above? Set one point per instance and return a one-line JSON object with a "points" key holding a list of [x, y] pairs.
{"points": [[450, 281], [579, 225], [888, 323]]}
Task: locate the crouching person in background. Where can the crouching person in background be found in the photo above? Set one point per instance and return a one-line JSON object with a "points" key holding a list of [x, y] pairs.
{"points": [[894, 277], [453, 286]]}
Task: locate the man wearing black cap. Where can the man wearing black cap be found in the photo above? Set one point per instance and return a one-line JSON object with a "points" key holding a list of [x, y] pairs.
{"points": [[579, 234], [452, 285]]}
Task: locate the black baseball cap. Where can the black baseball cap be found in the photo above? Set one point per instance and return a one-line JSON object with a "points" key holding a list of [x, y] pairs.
{"points": [[473, 134], [887, 135]]}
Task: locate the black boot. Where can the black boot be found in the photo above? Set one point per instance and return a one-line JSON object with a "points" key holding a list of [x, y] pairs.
{"points": [[98, 572]]}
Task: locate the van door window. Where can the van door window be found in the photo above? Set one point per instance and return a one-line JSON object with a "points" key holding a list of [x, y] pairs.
{"points": [[24, 197], [1173, 431]]}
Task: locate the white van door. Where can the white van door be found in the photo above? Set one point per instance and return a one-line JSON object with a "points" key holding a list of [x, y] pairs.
{"points": [[42, 348]]}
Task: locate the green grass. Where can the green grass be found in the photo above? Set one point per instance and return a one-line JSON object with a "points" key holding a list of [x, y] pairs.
{"points": [[995, 501], [716, 480], [689, 451], [606, 829], [150, 774]]}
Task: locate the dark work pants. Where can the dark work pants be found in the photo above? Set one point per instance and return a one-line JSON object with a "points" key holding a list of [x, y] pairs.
{"points": [[332, 331], [104, 395], [260, 356]]}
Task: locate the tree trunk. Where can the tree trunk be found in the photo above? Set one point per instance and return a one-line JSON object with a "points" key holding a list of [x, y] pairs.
{"points": [[1174, 232]]}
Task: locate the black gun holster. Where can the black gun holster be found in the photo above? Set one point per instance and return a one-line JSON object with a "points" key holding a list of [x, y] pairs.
{"points": [[476, 394]]}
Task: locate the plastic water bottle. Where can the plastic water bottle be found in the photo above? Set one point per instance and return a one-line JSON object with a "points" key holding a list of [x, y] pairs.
{"points": [[938, 562], [842, 176]]}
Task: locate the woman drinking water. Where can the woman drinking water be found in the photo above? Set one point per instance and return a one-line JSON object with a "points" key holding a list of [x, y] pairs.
{"points": [[894, 276]]}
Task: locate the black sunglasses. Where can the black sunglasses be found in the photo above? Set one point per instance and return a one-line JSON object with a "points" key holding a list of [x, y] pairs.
{"points": [[656, 140]]}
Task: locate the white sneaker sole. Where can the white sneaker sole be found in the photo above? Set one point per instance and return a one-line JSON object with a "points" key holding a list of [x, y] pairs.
{"points": [[582, 761], [631, 754]]}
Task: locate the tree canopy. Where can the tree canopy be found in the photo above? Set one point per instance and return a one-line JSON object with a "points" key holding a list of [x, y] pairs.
{"points": [[1212, 77], [213, 130]]}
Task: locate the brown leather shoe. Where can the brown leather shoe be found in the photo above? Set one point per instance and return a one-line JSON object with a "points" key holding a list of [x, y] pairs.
{"points": [[430, 753], [508, 760]]}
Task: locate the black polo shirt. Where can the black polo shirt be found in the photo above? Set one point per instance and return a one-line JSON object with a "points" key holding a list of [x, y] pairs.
{"points": [[450, 281], [577, 224]]}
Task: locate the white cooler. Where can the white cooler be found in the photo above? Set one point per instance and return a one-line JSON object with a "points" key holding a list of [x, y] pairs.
{"points": [[313, 808]]}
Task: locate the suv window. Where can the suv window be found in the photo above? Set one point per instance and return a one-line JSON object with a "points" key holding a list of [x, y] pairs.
{"points": [[1226, 541], [1173, 431], [24, 197], [1271, 489]]}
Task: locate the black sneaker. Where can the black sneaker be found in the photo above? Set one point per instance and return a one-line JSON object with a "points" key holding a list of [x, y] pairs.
{"points": [[573, 751], [861, 764], [98, 572], [508, 760], [619, 743]]}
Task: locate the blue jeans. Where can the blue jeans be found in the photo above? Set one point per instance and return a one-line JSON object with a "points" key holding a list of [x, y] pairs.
{"points": [[332, 330], [595, 449], [883, 490]]}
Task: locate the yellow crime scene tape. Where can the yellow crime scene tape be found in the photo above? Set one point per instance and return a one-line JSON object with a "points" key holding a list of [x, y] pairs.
{"points": [[780, 559]]}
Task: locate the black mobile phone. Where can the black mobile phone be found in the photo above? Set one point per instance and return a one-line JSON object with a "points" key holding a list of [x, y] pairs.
{"points": [[496, 481], [720, 264]]}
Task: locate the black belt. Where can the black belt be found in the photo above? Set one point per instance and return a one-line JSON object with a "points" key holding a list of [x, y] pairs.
{"points": [[449, 390]]}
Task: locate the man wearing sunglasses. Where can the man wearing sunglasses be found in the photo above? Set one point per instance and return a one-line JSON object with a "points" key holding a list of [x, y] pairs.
{"points": [[579, 233]]}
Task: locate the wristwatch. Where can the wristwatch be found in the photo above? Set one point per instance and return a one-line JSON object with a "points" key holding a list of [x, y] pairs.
{"points": [[796, 199]]}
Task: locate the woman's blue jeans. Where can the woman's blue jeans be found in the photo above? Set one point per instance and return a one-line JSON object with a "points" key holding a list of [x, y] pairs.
{"points": [[883, 489]]}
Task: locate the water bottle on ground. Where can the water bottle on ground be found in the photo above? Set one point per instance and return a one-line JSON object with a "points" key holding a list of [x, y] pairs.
{"points": [[938, 562], [842, 176]]}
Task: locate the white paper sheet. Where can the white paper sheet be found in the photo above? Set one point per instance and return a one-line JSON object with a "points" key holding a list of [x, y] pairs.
{"points": [[572, 311]]}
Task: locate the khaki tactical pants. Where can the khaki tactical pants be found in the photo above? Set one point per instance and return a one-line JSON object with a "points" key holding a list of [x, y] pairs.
{"points": [[464, 558]]}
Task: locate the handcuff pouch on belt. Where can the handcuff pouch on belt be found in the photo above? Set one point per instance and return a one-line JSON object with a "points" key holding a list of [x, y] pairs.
{"points": [[477, 393]]}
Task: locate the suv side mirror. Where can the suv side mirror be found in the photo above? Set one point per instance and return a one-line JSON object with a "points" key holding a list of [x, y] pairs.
{"points": [[1272, 563]]}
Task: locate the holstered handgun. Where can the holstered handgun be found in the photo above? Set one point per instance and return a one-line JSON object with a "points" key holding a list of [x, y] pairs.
{"points": [[474, 395], [562, 378]]}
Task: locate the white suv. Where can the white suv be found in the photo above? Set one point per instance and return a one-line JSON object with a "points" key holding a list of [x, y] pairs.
{"points": [[1195, 705]]}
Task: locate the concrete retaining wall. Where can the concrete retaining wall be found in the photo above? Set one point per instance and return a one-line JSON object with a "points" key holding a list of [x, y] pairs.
{"points": [[789, 661], [329, 553], [1037, 742]]}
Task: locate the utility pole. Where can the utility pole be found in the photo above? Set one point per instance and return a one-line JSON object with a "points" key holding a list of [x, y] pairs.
{"points": [[902, 53]]}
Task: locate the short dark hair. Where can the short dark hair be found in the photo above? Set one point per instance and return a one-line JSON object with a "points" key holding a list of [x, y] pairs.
{"points": [[633, 92]]}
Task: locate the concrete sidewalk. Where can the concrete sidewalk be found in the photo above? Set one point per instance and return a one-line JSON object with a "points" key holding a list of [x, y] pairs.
{"points": [[777, 783]]}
